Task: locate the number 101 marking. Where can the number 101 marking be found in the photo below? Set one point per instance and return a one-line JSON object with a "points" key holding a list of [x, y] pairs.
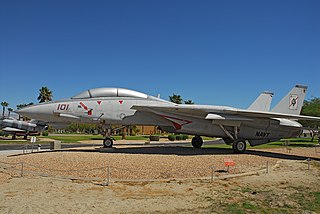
{"points": [[63, 107]]}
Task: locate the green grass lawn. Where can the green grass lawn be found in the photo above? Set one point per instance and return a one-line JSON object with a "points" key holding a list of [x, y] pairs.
{"points": [[294, 142], [68, 138], [77, 138]]}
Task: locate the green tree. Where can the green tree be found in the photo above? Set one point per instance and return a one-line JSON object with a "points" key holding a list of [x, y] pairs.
{"points": [[189, 102], [4, 104], [20, 106], [45, 94], [176, 99], [311, 108]]}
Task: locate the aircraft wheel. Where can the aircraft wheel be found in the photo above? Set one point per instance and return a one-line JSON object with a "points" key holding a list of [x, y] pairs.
{"points": [[197, 142], [107, 142], [239, 146]]}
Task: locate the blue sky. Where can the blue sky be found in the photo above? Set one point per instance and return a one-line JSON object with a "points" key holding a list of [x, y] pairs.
{"points": [[213, 52]]}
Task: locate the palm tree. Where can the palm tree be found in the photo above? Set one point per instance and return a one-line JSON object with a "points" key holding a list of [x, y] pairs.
{"points": [[10, 110], [4, 104], [20, 106], [45, 94], [176, 99], [189, 102]]}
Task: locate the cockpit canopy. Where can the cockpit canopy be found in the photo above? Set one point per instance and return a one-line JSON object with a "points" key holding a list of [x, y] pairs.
{"points": [[109, 92]]}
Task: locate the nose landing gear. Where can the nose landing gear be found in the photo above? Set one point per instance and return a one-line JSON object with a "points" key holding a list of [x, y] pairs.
{"points": [[108, 142]]}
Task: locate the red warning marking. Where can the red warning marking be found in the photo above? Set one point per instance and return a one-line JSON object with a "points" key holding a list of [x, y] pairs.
{"points": [[99, 102], [84, 106], [120, 101], [177, 122], [177, 125]]}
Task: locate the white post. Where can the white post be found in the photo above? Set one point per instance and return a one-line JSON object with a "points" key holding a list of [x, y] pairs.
{"points": [[21, 174], [211, 173], [108, 174]]}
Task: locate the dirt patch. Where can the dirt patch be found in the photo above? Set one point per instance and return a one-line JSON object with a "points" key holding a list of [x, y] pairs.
{"points": [[289, 187]]}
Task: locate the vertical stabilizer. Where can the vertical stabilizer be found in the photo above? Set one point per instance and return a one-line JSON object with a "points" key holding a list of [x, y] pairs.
{"points": [[262, 103], [292, 102]]}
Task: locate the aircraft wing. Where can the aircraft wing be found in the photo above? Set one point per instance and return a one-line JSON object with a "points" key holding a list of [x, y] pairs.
{"points": [[270, 115], [218, 112]]}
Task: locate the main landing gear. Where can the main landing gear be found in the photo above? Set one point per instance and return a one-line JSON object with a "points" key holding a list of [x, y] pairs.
{"points": [[239, 146], [197, 142]]}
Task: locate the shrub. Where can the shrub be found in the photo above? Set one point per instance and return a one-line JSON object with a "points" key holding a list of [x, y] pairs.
{"points": [[185, 137], [154, 137], [179, 137], [171, 137], [45, 133]]}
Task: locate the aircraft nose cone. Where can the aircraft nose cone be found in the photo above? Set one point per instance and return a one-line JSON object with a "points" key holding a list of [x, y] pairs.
{"points": [[26, 111], [33, 111]]}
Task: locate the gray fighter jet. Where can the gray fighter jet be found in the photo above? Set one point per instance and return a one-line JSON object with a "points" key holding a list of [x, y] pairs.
{"points": [[255, 125], [21, 128]]}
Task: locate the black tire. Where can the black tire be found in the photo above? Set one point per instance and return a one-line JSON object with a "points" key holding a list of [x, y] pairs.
{"points": [[239, 146], [197, 142], [108, 142]]}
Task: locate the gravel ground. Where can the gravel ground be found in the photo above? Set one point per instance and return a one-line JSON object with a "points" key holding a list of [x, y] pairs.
{"points": [[285, 189], [129, 163], [289, 188]]}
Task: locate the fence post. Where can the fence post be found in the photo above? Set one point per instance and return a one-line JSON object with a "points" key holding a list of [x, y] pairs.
{"points": [[211, 173], [108, 174], [21, 174]]}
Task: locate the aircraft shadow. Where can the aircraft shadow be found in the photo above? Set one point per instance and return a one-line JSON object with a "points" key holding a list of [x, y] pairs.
{"points": [[189, 151]]}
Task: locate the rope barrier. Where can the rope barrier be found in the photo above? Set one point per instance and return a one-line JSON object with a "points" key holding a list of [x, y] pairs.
{"points": [[66, 170], [24, 168]]}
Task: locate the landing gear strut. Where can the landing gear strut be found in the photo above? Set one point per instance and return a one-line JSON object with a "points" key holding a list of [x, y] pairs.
{"points": [[197, 142], [239, 146], [108, 140]]}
